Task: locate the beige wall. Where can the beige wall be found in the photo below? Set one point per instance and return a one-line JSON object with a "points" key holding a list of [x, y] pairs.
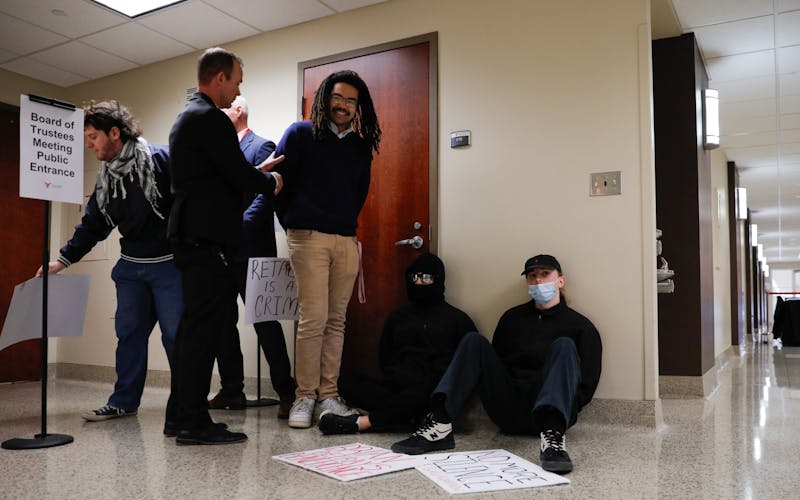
{"points": [[551, 91], [722, 256]]}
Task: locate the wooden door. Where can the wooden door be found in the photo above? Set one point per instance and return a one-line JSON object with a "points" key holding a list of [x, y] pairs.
{"points": [[20, 247], [399, 83]]}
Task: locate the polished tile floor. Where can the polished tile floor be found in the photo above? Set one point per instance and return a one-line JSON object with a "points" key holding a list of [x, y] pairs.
{"points": [[742, 442]]}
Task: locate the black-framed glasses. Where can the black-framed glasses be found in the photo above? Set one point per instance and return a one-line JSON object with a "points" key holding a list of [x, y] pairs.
{"points": [[424, 278], [340, 99]]}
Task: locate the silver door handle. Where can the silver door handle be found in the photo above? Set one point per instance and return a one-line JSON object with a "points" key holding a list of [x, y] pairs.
{"points": [[415, 242]]}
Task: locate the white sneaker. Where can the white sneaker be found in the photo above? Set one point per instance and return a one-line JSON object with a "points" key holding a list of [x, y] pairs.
{"points": [[336, 406], [301, 413]]}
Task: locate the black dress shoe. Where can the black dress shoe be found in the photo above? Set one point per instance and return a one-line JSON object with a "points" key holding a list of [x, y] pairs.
{"points": [[228, 402], [212, 434], [171, 429]]}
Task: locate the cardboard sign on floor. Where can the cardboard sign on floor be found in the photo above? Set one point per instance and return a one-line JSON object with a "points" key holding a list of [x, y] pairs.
{"points": [[485, 470], [351, 461]]}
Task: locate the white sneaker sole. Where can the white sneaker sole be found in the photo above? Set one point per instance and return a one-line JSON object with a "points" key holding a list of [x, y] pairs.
{"points": [[299, 424]]}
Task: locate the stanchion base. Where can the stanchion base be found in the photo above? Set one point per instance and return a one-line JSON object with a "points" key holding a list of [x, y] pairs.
{"points": [[252, 403], [38, 441]]}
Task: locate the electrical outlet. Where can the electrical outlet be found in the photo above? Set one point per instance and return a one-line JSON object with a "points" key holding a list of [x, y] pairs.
{"points": [[605, 183]]}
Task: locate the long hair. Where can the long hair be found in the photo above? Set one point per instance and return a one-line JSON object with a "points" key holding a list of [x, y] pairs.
{"points": [[107, 114], [365, 123]]}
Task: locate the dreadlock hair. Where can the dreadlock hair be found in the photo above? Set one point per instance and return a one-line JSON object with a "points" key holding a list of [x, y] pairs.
{"points": [[213, 61], [365, 123], [105, 115]]}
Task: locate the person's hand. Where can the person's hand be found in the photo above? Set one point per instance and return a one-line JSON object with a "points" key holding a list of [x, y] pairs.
{"points": [[278, 181], [52, 268], [270, 162]]}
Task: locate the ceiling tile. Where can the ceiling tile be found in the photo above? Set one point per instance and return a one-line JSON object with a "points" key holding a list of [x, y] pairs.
{"points": [[83, 59], [279, 14], [789, 59], [23, 38], [784, 5], [693, 13], [749, 140], [737, 124], [761, 87], [790, 84], [82, 17], [788, 28], [6, 55], [739, 37], [741, 66], [343, 5], [209, 26], [137, 43], [34, 69], [755, 109]]}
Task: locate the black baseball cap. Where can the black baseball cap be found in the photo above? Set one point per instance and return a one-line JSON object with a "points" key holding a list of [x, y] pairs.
{"points": [[541, 261]]}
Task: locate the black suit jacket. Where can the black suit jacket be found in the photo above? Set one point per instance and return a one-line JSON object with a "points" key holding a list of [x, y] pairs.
{"points": [[209, 176]]}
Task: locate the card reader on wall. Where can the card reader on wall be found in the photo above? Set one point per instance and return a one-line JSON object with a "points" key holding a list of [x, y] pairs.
{"points": [[460, 138]]}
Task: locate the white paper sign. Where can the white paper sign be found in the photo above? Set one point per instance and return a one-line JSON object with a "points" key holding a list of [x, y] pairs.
{"points": [[67, 298], [349, 462], [486, 470], [271, 291], [50, 152]]}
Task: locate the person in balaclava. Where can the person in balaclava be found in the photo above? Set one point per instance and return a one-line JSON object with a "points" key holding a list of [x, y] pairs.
{"points": [[417, 342]]}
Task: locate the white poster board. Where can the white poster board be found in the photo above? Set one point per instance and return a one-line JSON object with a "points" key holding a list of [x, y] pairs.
{"points": [[351, 461], [485, 470], [50, 152], [67, 298], [271, 291]]}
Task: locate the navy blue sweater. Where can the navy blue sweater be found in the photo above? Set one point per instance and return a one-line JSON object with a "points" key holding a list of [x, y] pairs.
{"points": [[144, 234], [325, 182]]}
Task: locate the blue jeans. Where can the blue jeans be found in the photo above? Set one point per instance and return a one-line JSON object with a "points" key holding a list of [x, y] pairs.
{"points": [[146, 293]]}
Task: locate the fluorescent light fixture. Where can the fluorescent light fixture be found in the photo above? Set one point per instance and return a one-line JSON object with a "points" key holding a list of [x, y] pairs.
{"points": [[710, 119], [741, 203], [137, 8], [753, 234], [760, 252]]}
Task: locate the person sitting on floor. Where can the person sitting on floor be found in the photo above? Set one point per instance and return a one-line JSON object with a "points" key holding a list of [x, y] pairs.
{"points": [[540, 370], [417, 342]]}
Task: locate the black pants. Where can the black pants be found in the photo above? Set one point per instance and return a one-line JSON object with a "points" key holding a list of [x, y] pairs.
{"points": [[270, 337], [510, 404], [210, 311], [391, 406]]}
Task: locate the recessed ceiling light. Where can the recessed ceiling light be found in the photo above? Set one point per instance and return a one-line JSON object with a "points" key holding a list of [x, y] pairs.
{"points": [[133, 9]]}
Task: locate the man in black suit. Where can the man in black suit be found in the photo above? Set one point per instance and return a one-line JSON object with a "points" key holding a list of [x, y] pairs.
{"points": [[258, 240], [209, 176]]}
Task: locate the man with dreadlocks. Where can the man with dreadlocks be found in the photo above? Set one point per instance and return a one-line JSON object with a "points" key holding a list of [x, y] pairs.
{"points": [[326, 179], [132, 193]]}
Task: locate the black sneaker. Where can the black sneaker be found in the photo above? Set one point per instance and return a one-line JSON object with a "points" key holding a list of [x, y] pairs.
{"points": [[553, 453], [331, 423], [431, 436], [106, 413]]}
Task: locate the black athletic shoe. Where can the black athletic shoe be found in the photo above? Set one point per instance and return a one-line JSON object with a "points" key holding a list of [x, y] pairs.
{"points": [[211, 434], [431, 436], [553, 453], [331, 423]]}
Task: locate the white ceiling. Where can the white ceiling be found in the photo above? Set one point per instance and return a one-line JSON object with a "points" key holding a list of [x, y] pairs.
{"points": [[751, 49], [66, 42], [752, 53]]}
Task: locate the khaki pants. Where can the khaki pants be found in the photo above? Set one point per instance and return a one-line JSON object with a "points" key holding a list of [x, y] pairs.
{"points": [[325, 267]]}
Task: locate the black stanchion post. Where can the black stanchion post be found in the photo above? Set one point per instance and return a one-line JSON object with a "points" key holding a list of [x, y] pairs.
{"points": [[259, 401]]}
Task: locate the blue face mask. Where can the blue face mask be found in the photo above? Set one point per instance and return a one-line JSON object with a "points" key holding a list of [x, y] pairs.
{"points": [[543, 293]]}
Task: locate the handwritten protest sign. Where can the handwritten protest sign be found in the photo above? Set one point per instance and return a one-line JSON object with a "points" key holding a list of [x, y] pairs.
{"points": [[271, 291], [486, 470], [349, 462]]}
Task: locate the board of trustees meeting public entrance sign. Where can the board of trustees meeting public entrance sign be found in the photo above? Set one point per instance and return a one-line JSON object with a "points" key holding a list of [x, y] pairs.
{"points": [[50, 152]]}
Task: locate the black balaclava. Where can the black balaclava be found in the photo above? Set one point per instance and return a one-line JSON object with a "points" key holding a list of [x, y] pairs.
{"points": [[426, 294]]}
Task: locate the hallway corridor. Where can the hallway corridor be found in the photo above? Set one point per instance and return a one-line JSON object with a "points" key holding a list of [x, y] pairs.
{"points": [[742, 442]]}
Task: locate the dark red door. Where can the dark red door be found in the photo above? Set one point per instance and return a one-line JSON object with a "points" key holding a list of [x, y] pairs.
{"points": [[20, 246], [397, 207]]}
